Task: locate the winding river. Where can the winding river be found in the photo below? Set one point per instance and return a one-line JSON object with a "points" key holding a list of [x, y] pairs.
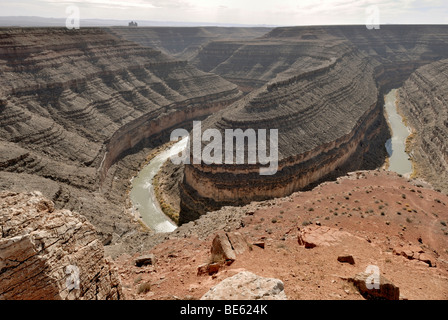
{"points": [[398, 158], [142, 192]]}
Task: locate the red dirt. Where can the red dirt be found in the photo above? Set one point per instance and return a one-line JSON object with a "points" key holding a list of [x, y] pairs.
{"points": [[366, 204]]}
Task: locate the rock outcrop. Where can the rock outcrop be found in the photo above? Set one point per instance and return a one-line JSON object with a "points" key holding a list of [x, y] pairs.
{"points": [[423, 102], [48, 254], [374, 287], [247, 286], [314, 236]]}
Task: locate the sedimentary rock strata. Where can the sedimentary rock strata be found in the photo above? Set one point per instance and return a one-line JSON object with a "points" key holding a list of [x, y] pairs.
{"points": [[423, 101], [51, 254], [326, 117], [322, 88], [397, 51], [184, 42], [73, 102]]}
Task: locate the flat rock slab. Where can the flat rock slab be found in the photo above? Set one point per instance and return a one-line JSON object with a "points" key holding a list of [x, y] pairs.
{"points": [[247, 286], [313, 236], [415, 252]]}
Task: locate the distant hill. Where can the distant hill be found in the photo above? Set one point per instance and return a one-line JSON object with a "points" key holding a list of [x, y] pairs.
{"points": [[29, 21]]}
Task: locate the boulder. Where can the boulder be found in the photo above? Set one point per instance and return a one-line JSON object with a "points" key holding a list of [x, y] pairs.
{"points": [[148, 259], [346, 258], [379, 288], [226, 246], [247, 286], [413, 252], [48, 254]]}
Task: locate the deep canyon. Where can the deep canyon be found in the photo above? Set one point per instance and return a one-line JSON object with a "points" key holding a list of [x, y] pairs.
{"points": [[83, 111]]}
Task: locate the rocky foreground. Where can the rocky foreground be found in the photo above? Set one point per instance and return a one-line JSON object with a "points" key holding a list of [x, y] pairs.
{"points": [[319, 244], [50, 254]]}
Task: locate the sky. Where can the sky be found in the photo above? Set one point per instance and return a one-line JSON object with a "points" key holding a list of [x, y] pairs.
{"points": [[254, 12]]}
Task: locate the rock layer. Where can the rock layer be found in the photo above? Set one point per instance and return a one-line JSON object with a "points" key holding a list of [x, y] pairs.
{"points": [[423, 101], [398, 50], [48, 254], [327, 119], [184, 42], [74, 102], [322, 87]]}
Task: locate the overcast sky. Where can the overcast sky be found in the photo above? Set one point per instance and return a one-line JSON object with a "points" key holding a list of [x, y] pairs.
{"points": [[269, 12]]}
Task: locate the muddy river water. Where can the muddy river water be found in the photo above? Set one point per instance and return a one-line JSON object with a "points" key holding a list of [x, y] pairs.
{"points": [[142, 192], [398, 158]]}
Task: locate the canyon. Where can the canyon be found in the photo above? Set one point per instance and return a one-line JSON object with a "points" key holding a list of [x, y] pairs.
{"points": [[83, 111], [339, 73], [73, 103]]}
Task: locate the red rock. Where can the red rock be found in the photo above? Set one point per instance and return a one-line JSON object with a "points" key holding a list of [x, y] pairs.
{"points": [[208, 268], [386, 290], [259, 244], [312, 236], [347, 259], [227, 245]]}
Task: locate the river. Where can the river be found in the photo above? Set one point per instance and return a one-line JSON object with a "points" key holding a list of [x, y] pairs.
{"points": [[398, 158], [142, 193]]}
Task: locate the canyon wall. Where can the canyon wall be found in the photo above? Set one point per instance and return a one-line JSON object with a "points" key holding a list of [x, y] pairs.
{"points": [[396, 50], [423, 101], [184, 42], [291, 67], [72, 102], [327, 119], [49, 254]]}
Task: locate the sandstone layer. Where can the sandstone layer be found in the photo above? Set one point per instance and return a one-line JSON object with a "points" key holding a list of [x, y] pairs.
{"points": [[397, 49], [328, 117], [48, 254], [423, 102], [322, 88], [74, 102], [184, 42]]}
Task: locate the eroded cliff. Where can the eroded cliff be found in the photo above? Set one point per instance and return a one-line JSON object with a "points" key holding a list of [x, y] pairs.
{"points": [[423, 102], [74, 102], [48, 254], [328, 117]]}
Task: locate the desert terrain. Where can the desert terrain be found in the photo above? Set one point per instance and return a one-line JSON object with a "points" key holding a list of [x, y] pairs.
{"points": [[83, 111]]}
